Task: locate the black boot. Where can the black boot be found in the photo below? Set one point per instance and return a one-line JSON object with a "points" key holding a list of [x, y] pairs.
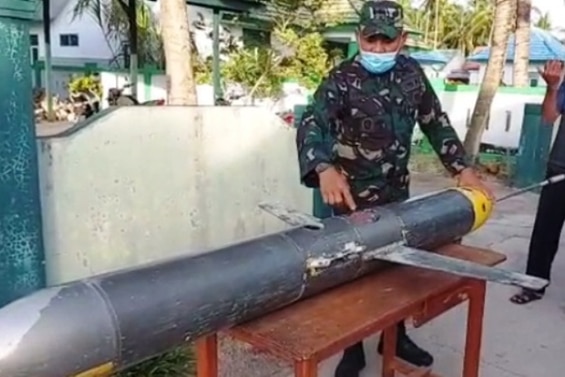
{"points": [[352, 362], [407, 350]]}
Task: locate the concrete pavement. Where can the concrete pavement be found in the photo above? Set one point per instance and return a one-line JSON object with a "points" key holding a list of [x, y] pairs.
{"points": [[519, 341]]}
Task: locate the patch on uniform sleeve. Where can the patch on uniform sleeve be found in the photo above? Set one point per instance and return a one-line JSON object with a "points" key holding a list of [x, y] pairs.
{"points": [[410, 81]]}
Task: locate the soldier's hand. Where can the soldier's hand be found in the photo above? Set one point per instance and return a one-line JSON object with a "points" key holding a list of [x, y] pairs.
{"points": [[335, 189], [468, 178], [551, 73]]}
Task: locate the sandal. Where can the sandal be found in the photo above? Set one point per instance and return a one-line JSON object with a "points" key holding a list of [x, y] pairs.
{"points": [[526, 296]]}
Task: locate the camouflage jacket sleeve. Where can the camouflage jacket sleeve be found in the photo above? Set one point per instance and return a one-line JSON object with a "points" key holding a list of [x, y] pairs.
{"points": [[435, 124], [313, 138]]}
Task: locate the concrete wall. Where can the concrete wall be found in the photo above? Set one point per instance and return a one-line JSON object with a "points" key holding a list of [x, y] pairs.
{"points": [[145, 183], [504, 127], [506, 115], [476, 77]]}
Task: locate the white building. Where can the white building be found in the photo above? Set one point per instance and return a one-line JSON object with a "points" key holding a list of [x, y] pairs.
{"points": [[78, 40], [543, 47], [74, 40]]}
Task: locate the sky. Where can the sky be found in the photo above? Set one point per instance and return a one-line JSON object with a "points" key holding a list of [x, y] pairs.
{"points": [[556, 10]]}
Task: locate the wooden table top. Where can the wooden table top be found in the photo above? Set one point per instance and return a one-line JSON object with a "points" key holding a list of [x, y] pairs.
{"points": [[363, 306]]}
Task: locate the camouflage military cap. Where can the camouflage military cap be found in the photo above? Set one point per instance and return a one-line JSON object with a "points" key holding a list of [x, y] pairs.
{"points": [[384, 17]]}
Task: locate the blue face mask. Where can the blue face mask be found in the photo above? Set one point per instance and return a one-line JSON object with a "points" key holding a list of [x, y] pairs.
{"points": [[377, 62]]}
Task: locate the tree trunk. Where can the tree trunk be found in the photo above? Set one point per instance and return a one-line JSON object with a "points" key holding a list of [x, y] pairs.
{"points": [[181, 87], [502, 28], [522, 47]]}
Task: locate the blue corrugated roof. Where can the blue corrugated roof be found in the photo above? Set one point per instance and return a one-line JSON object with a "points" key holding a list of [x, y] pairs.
{"points": [[543, 47], [429, 57]]}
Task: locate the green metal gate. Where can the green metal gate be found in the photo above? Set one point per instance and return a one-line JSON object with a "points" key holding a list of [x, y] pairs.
{"points": [[534, 146]]}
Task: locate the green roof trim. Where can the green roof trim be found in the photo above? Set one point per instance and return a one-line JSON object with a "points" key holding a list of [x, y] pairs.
{"points": [[19, 9]]}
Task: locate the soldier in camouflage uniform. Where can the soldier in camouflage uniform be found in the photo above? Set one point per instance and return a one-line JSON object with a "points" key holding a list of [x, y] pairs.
{"points": [[354, 139]]}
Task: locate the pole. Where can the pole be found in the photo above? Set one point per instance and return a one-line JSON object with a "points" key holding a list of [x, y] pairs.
{"points": [[21, 243], [133, 69], [216, 54], [48, 62]]}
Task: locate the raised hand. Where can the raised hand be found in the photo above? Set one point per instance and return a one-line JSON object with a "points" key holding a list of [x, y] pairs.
{"points": [[552, 72]]}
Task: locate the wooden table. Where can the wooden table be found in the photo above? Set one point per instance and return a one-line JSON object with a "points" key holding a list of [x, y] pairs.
{"points": [[314, 329]]}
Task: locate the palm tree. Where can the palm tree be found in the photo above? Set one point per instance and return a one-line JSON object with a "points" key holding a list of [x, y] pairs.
{"points": [[178, 52], [467, 27], [433, 18], [122, 27], [503, 16], [543, 21], [451, 25], [522, 43]]}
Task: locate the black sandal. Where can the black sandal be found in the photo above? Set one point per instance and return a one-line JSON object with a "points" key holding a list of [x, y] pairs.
{"points": [[526, 296]]}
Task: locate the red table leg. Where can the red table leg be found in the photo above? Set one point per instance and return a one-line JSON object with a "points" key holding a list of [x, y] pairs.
{"points": [[473, 339], [207, 356], [306, 368], [389, 351]]}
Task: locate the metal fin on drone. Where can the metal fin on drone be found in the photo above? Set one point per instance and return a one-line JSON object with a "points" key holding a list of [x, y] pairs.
{"points": [[429, 260], [292, 217]]}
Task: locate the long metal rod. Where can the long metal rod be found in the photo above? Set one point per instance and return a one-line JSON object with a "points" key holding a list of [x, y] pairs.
{"points": [[549, 181]]}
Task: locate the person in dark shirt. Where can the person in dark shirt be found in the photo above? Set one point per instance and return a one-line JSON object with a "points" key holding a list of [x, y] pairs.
{"points": [[550, 214], [354, 139]]}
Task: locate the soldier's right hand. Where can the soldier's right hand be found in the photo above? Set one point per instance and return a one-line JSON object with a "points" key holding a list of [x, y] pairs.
{"points": [[552, 71], [335, 189]]}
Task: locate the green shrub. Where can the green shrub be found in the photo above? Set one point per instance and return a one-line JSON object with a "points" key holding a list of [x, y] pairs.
{"points": [[177, 363], [85, 83]]}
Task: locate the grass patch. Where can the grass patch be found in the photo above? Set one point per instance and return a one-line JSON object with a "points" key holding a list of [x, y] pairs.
{"points": [[179, 362]]}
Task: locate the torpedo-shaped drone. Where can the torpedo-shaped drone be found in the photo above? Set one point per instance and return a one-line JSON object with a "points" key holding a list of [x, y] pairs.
{"points": [[99, 325]]}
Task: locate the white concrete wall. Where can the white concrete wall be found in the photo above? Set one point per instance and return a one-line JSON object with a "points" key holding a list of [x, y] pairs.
{"points": [[60, 83], [476, 77], [147, 183], [459, 106], [157, 90], [504, 128]]}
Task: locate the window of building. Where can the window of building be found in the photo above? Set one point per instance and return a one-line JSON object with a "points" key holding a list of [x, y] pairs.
{"points": [[34, 48], [534, 78], [34, 40], [34, 54], [68, 40]]}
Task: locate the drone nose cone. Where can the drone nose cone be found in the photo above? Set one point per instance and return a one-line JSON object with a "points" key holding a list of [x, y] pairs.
{"points": [[482, 205], [44, 334]]}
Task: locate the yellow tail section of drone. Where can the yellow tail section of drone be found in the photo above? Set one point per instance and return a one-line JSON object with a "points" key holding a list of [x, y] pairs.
{"points": [[481, 202]]}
